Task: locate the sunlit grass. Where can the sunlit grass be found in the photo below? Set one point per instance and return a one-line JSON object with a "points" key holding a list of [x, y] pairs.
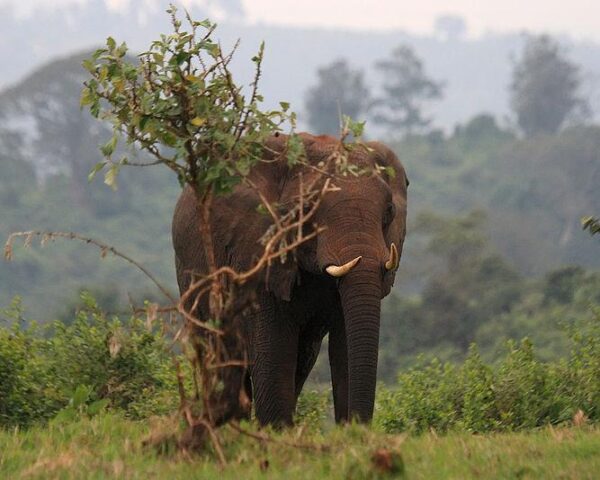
{"points": [[109, 446]]}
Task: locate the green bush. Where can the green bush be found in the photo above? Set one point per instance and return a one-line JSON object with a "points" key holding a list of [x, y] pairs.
{"points": [[121, 361], [24, 392], [314, 407], [99, 362], [519, 392]]}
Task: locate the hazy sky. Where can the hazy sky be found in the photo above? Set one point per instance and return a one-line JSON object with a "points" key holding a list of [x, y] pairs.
{"points": [[580, 18]]}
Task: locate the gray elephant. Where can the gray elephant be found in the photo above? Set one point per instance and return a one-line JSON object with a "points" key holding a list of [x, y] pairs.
{"points": [[333, 284]]}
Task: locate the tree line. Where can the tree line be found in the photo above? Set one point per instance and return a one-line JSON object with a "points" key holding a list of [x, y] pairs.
{"points": [[545, 92]]}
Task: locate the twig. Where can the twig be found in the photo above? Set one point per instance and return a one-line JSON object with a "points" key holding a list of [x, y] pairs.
{"points": [[215, 441], [105, 248], [266, 438]]}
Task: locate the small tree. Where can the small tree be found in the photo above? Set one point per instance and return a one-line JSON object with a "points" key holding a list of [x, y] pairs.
{"points": [[406, 88], [179, 104], [339, 91], [545, 88]]}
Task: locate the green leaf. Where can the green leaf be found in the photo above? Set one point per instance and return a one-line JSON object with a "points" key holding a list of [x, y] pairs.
{"points": [[110, 177], [143, 122], [87, 97], [206, 23], [262, 209], [98, 53], [295, 149], [95, 108], [355, 128], [212, 49], [285, 106], [99, 166], [111, 44], [89, 65], [169, 139], [109, 147], [122, 50]]}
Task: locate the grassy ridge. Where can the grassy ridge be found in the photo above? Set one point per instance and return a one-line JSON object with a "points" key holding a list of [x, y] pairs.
{"points": [[109, 446]]}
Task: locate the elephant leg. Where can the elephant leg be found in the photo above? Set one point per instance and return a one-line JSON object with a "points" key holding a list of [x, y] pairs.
{"points": [[275, 346], [308, 351], [338, 361]]}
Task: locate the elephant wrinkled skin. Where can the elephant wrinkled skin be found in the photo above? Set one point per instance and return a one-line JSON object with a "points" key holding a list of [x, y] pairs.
{"points": [[333, 284]]}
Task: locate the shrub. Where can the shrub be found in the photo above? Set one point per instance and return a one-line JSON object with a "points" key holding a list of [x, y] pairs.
{"points": [[123, 362], [519, 392], [22, 374], [314, 407]]}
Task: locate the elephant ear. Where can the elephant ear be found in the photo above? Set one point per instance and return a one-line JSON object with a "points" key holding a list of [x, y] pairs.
{"points": [[239, 243], [237, 226], [281, 182], [395, 176], [282, 274]]}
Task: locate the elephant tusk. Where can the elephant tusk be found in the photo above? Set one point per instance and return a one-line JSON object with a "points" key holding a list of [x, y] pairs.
{"points": [[336, 271], [392, 263]]}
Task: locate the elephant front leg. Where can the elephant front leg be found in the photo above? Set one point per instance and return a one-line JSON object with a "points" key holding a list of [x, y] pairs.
{"points": [[274, 368], [338, 361]]}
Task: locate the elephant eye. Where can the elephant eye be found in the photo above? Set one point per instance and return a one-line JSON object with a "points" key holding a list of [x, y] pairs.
{"points": [[389, 214]]}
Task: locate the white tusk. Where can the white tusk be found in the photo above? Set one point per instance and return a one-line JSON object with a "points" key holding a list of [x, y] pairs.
{"points": [[392, 263], [336, 271]]}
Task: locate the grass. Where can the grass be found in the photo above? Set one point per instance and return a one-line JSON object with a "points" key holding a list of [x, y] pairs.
{"points": [[108, 446]]}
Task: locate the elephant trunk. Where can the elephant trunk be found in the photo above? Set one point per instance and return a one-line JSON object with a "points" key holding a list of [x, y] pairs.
{"points": [[360, 294]]}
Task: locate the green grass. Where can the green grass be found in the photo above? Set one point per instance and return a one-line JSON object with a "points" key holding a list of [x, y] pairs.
{"points": [[109, 446]]}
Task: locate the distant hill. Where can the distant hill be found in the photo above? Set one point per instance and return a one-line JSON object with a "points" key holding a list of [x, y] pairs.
{"points": [[476, 72]]}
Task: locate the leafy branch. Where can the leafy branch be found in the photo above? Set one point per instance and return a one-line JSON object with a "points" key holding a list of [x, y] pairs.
{"points": [[179, 104], [105, 249]]}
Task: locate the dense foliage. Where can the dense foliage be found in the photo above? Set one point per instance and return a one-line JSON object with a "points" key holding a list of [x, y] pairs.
{"points": [[518, 392], [98, 362], [43, 369], [471, 293], [180, 104]]}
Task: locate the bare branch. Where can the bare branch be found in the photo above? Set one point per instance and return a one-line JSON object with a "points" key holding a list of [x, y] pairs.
{"points": [[263, 437], [104, 249]]}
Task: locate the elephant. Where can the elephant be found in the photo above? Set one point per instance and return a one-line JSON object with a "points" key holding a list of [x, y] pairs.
{"points": [[332, 284]]}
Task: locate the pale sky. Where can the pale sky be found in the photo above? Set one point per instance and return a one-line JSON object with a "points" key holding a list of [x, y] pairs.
{"points": [[579, 18]]}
